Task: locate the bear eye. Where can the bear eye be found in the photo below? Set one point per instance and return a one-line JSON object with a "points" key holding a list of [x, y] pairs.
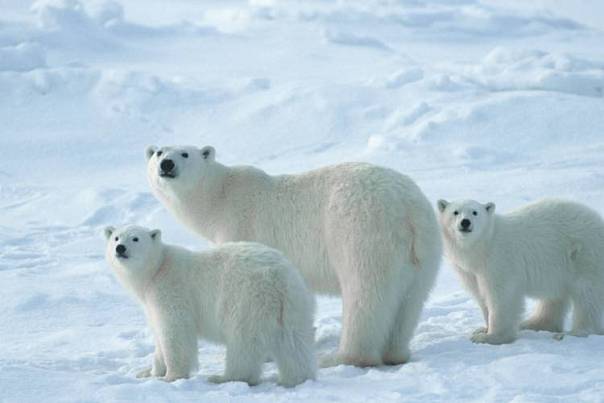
{"points": [[474, 213], [135, 239], [456, 212], [116, 239], [185, 155], [159, 153]]}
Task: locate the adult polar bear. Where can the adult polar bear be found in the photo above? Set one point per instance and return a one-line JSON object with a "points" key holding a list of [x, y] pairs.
{"points": [[365, 232], [551, 250]]}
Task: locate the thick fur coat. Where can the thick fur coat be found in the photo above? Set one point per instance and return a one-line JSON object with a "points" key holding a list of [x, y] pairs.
{"points": [[551, 250], [244, 295], [360, 231]]}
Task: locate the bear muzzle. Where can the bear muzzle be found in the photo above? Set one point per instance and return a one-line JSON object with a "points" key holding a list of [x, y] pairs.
{"points": [[120, 251]]}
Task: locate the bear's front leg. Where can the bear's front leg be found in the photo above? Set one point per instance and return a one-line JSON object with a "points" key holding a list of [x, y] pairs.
{"points": [[505, 303], [159, 365], [178, 343], [158, 369], [470, 282]]}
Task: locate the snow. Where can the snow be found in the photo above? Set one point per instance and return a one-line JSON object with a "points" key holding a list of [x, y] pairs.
{"points": [[486, 99]]}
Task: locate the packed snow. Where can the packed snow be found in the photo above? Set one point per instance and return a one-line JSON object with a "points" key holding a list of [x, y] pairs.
{"points": [[494, 100]]}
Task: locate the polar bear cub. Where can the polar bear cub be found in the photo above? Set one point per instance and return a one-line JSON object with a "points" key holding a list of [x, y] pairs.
{"points": [[357, 230], [244, 295], [551, 250]]}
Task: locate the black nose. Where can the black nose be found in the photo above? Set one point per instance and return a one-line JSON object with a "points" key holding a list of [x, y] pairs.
{"points": [[120, 249], [465, 223], [167, 165]]}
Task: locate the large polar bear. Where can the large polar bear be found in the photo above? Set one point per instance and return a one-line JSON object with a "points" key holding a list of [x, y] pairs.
{"points": [[552, 250], [245, 295], [365, 232]]}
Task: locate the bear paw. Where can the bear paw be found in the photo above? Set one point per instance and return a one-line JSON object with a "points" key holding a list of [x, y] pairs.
{"points": [[172, 378], [396, 358], [145, 373], [538, 325], [333, 360], [329, 360], [217, 379], [223, 379], [580, 332], [480, 330], [491, 338]]}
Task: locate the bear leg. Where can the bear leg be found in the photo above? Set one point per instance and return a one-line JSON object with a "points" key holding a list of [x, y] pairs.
{"points": [[243, 363], [178, 342], [294, 355], [409, 311], [587, 310], [548, 316], [505, 304], [369, 310]]}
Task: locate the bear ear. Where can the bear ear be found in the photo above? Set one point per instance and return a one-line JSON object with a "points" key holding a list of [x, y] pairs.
{"points": [[208, 153], [150, 151], [155, 234], [442, 205], [108, 231], [490, 207]]}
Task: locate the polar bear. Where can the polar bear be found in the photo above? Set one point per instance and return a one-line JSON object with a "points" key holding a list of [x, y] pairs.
{"points": [[551, 250], [360, 231], [244, 295]]}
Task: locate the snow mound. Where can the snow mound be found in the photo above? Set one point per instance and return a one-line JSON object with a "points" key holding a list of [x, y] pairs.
{"points": [[506, 69], [461, 19], [22, 57], [62, 14], [99, 27], [351, 39]]}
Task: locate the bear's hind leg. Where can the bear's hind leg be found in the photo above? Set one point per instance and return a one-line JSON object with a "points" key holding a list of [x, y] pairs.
{"points": [[369, 310], [294, 355], [549, 316], [244, 361], [587, 311], [397, 349]]}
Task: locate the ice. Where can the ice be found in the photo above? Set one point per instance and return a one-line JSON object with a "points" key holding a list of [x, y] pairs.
{"points": [[497, 101]]}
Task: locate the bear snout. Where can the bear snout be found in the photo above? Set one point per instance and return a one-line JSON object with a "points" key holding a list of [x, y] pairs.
{"points": [[465, 225], [167, 168], [120, 250], [167, 165]]}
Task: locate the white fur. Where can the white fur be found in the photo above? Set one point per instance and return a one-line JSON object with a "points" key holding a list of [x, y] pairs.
{"points": [[244, 295], [552, 250], [364, 232]]}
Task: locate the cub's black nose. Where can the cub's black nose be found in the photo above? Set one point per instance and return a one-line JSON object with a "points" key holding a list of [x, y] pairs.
{"points": [[167, 165], [120, 249], [465, 223]]}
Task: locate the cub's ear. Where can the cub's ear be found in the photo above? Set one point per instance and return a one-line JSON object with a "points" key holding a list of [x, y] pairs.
{"points": [[150, 151], [208, 153], [155, 235], [108, 231], [442, 205], [490, 207]]}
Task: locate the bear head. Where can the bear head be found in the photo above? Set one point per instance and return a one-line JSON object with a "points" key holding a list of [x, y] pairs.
{"points": [[178, 169], [465, 221], [133, 252]]}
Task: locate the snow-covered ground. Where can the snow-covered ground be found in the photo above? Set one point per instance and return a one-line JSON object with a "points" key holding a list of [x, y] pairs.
{"points": [[487, 99]]}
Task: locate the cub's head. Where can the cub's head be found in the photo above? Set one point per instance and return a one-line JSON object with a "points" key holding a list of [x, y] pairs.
{"points": [[465, 221], [133, 250], [178, 168]]}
